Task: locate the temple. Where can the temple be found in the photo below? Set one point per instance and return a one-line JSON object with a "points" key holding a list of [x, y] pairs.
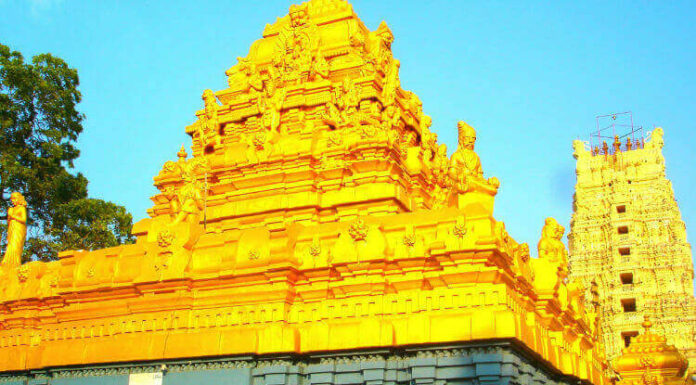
{"points": [[318, 234], [627, 238]]}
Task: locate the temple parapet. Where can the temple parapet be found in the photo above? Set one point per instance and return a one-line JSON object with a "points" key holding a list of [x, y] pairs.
{"points": [[638, 159]]}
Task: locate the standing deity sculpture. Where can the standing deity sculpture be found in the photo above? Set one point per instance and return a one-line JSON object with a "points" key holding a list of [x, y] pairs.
{"points": [[211, 113], [391, 82], [186, 200], [348, 101], [465, 166], [428, 141], [270, 105], [441, 164], [16, 231]]}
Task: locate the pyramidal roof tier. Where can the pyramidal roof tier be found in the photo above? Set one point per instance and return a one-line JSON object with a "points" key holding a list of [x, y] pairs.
{"points": [[318, 100], [317, 213]]}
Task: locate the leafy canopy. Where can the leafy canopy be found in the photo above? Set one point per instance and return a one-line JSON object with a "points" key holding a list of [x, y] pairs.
{"points": [[39, 125]]}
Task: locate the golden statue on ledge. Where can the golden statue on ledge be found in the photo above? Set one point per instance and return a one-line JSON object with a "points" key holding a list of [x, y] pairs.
{"points": [[16, 231], [551, 247], [465, 166]]}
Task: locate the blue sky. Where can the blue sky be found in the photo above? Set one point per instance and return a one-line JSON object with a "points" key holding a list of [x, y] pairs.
{"points": [[530, 76]]}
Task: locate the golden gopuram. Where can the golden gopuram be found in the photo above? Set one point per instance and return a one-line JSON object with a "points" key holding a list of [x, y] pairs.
{"points": [[627, 237], [318, 234]]}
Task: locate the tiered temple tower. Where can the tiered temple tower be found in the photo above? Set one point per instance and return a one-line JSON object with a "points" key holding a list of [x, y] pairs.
{"points": [[318, 235], [628, 244]]}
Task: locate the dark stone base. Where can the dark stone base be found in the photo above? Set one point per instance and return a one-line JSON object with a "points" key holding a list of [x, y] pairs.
{"points": [[487, 362]]}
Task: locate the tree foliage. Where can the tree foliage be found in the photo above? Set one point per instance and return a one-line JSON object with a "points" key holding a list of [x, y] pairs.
{"points": [[39, 125]]}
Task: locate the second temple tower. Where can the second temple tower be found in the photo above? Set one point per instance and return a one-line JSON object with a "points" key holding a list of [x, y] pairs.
{"points": [[628, 244]]}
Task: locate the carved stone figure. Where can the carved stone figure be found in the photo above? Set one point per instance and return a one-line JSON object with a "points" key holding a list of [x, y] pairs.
{"points": [[208, 123], [550, 246], [391, 119], [16, 231], [349, 100], [244, 76], [465, 166], [190, 200], [298, 50], [186, 201], [270, 104], [391, 82], [441, 164]]}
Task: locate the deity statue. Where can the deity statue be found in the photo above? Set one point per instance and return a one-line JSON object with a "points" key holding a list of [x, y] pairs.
{"points": [[391, 123], [550, 246], [299, 55], [211, 108], [391, 82], [465, 166], [379, 44], [428, 140], [189, 200], [16, 231], [244, 76], [441, 163], [331, 115], [348, 101], [174, 167], [186, 201], [351, 98], [207, 121], [270, 104]]}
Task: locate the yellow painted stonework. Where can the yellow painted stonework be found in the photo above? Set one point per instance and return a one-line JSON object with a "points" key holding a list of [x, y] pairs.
{"points": [[318, 212], [628, 237]]}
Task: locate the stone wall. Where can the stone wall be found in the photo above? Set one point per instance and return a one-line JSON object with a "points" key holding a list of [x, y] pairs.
{"points": [[488, 363]]}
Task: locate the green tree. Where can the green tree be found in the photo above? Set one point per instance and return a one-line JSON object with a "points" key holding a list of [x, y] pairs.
{"points": [[39, 125]]}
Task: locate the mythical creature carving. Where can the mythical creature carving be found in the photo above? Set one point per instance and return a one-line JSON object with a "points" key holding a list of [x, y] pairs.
{"points": [[550, 246], [16, 230]]}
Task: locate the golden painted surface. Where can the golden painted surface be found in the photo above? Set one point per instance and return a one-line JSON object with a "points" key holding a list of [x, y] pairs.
{"points": [[650, 361], [318, 212], [627, 222], [16, 231]]}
